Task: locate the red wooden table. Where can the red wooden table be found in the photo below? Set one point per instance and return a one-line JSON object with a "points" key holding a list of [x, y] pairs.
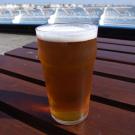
{"points": [[24, 103]]}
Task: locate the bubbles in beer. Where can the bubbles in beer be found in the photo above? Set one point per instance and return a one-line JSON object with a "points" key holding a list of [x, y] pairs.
{"points": [[67, 32]]}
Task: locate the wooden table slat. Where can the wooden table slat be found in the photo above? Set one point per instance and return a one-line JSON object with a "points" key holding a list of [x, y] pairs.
{"points": [[116, 48], [103, 119], [112, 107], [31, 45], [102, 40], [11, 126], [103, 46], [111, 89], [101, 67], [116, 57], [116, 41], [19, 68], [28, 54], [22, 100], [117, 70], [31, 54]]}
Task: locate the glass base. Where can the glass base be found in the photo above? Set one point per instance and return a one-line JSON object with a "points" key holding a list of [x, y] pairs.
{"points": [[70, 122]]}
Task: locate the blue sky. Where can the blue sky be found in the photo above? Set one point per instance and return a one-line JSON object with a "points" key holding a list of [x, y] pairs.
{"points": [[130, 2]]}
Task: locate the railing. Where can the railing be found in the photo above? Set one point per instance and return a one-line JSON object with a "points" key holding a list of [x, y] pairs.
{"points": [[109, 13]]}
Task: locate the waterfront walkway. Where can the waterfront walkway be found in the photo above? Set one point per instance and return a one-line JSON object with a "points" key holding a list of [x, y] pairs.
{"points": [[11, 41]]}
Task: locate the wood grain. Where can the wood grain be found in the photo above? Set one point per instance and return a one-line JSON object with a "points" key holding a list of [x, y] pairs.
{"points": [[114, 48], [103, 119], [23, 96], [116, 57], [32, 72], [105, 68], [101, 46], [11, 126], [32, 45], [31, 54], [116, 41]]}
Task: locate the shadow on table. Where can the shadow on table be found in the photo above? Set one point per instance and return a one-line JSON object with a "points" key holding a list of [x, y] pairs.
{"points": [[32, 104], [30, 109]]}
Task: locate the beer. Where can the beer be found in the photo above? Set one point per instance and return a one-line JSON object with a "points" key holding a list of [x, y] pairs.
{"points": [[67, 54]]}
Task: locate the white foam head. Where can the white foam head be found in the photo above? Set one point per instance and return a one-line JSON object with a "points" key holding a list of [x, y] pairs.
{"points": [[66, 32]]}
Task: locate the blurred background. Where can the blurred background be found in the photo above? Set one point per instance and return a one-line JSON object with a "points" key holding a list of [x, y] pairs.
{"points": [[114, 13], [24, 15]]}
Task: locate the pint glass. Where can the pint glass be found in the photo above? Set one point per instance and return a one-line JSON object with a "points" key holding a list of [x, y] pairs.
{"points": [[67, 53]]}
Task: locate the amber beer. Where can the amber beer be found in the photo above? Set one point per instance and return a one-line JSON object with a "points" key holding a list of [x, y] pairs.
{"points": [[67, 54]]}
